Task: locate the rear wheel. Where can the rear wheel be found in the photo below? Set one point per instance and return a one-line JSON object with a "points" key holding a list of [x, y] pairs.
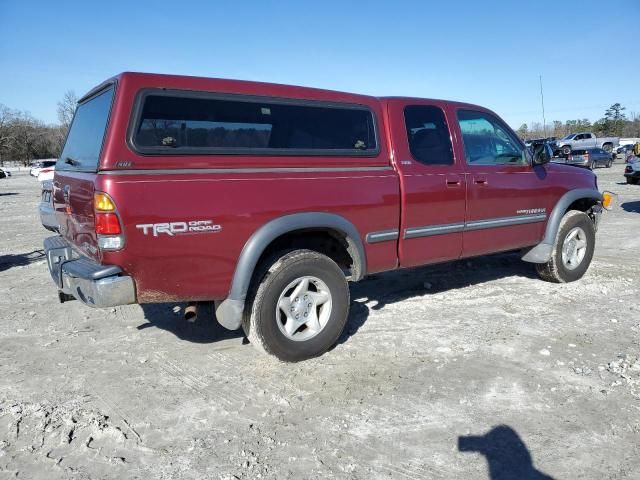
{"points": [[572, 251], [299, 307], [607, 147], [632, 181], [609, 163], [566, 150]]}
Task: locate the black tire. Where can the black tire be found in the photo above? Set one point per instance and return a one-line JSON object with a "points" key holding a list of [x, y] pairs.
{"points": [[593, 165], [566, 150], [607, 147], [260, 322], [555, 270], [632, 181], [609, 163]]}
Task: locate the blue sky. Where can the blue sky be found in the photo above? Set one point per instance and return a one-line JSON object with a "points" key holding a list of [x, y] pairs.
{"points": [[486, 52]]}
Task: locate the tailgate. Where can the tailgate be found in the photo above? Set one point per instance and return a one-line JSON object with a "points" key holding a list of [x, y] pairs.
{"points": [[73, 204], [75, 174]]}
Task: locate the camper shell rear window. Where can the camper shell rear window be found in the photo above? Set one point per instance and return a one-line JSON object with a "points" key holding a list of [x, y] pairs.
{"points": [[175, 122], [84, 141]]}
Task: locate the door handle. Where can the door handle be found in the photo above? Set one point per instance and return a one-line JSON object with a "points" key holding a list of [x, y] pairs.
{"points": [[453, 181], [480, 180]]}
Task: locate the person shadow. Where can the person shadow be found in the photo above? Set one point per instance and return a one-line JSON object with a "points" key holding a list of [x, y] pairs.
{"points": [[507, 455]]}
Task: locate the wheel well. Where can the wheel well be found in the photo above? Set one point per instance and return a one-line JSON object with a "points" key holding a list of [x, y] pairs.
{"points": [[583, 205], [332, 243]]}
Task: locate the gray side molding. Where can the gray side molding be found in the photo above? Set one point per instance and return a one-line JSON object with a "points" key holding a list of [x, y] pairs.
{"points": [[541, 253], [229, 311]]}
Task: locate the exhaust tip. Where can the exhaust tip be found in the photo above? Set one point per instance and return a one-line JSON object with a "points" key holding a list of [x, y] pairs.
{"points": [[191, 312]]}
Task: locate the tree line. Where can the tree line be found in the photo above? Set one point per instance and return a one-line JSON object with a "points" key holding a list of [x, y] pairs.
{"points": [[24, 138], [614, 123]]}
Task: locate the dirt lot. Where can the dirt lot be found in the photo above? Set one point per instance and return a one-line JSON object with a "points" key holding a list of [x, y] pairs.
{"points": [[547, 377]]}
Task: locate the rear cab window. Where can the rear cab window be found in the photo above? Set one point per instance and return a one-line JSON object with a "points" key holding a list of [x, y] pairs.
{"points": [[194, 123], [86, 135], [428, 135]]}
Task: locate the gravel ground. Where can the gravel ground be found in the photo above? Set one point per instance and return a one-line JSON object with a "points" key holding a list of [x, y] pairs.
{"points": [[474, 369]]}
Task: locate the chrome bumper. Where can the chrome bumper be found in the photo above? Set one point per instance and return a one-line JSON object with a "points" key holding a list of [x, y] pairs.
{"points": [[93, 284]]}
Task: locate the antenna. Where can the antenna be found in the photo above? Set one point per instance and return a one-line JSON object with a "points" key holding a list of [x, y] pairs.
{"points": [[544, 120]]}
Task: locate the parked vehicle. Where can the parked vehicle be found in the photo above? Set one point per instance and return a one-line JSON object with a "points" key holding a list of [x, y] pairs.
{"points": [[632, 172], [588, 158], [37, 166], [46, 173], [47, 212], [576, 141], [624, 149], [267, 199], [4, 173]]}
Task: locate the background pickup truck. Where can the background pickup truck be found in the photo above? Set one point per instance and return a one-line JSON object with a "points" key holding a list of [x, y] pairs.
{"points": [[580, 141], [268, 199]]}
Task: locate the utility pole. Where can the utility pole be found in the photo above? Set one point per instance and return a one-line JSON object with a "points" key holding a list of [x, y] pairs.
{"points": [[544, 120]]}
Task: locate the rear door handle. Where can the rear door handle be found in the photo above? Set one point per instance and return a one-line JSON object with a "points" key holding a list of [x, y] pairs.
{"points": [[480, 180]]}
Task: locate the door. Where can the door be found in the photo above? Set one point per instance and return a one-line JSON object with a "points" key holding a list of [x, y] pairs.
{"points": [[432, 183], [589, 141], [506, 196]]}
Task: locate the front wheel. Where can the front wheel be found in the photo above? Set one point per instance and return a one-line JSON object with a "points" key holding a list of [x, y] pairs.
{"points": [[572, 251], [299, 307], [566, 150], [609, 163]]}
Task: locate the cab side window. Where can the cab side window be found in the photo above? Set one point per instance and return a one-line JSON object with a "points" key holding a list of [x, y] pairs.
{"points": [[428, 135], [488, 142]]}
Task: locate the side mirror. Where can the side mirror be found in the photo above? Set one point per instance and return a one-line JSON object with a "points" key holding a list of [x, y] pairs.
{"points": [[542, 153]]}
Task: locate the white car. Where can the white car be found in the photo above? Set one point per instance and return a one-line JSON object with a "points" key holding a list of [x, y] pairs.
{"points": [[46, 173], [37, 166]]}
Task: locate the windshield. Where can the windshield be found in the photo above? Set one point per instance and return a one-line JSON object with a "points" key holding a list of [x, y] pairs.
{"points": [[84, 142], [567, 137]]}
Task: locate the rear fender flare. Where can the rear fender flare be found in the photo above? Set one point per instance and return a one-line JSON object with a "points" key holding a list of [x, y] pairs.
{"points": [[229, 312]]}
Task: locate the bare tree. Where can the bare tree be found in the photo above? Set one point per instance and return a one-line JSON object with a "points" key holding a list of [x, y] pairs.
{"points": [[66, 108]]}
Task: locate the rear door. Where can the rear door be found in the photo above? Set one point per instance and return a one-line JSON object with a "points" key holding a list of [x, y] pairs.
{"points": [[506, 196], [73, 185], [432, 183]]}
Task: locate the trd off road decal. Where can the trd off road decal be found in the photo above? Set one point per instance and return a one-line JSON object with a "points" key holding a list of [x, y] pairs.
{"points": [[179, 228]]}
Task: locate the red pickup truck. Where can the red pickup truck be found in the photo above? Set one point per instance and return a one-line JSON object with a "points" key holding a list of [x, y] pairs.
{"points": [[267, 199]]}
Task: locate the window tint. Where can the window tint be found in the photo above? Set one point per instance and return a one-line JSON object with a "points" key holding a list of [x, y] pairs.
{"points": [[488, 142], [428, 135], [84, 141], [202, 124]]}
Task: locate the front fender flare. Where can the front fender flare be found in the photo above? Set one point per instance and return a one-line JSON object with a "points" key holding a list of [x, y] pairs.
{"points": [[541, 253], [229, 312]]}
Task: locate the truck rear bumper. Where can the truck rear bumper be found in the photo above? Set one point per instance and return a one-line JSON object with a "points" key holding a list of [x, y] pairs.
{"points": [[93, 284]]}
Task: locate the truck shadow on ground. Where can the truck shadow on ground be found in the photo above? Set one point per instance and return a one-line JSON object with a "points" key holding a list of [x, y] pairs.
{"points": [[633, 207], [507, 455], [392, 287], [383, 289], [20, 260], [170, 317], [7, 194]]}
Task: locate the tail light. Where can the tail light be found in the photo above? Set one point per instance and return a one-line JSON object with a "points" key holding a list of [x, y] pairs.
{"points": [[107, 222]]}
